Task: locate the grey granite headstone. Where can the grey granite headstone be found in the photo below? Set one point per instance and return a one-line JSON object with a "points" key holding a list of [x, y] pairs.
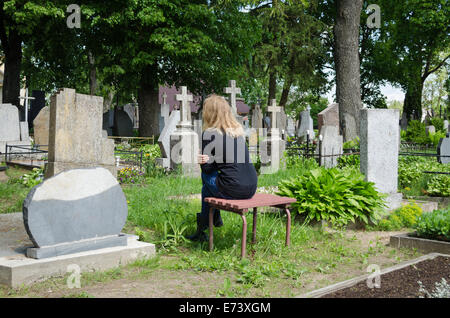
{"points": [[75, 137], [331, 146], [444, 149], [24, 133], [290, 129], [446, 126], [306, 125], [132, 111], [257, 118], [379, 133], [9, 123], [404, 121], [74, 211]]}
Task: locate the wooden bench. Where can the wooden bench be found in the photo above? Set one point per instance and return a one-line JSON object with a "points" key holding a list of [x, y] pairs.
{"points": [[241, 207]]}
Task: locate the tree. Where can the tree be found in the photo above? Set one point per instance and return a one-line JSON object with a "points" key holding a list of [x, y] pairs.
{"points": [[413, 37], [346, 59], [18, 19]]}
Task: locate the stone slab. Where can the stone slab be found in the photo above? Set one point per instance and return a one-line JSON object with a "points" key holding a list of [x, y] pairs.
{"points": [[422, 245], [77, 247], [24, 132], [75, 205], [394, 201], [9, 123], [329, 116], [352, 282], [331, 147], [41, 126], [19, 270], [444, 150], [379, 133], [76, 134]]}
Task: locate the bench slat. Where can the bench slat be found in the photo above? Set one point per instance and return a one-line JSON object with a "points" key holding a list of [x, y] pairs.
{"points": [[258, 200]]}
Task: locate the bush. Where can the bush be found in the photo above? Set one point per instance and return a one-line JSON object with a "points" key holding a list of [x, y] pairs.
{"points": [[438, 186], [351, 144], [337, 196], [434, 225], [438, 123], [416, 132], [349, 161], [32, 179], [405, 217]]}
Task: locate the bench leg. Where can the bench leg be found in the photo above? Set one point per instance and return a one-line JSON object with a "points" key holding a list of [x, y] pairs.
{"points": [[244, 235], [255, 213], [288, 226], [211, 227]]}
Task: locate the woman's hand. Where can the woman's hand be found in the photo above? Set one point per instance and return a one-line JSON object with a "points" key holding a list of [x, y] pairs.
{"points": [[202, 159]]}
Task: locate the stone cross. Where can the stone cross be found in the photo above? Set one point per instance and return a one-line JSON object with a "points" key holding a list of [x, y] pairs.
{"points": [[233, 91], [185, 99], [165, 109], [274, 109], [26, 98]]}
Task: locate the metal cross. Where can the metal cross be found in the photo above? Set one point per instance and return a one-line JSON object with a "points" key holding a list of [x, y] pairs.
{"points": [[26, 98], [274, 109], [233, 91], [185, 100]]}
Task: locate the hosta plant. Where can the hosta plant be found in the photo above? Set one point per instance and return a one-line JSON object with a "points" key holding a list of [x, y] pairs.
{"points": [[333, 195], [434, 225]]}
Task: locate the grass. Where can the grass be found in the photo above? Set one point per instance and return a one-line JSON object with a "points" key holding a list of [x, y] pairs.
{"points": [[12, 193], [314, 259]]}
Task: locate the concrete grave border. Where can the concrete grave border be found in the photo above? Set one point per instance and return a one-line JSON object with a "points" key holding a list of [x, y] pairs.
{"points": [[352, 282], [421, 244]]}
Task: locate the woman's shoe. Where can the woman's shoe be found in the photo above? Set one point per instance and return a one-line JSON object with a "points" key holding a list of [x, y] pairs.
{"points": [[200, 235]]}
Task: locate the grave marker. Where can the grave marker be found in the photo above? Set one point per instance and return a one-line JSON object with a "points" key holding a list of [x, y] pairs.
{"points": [[75, 135]]}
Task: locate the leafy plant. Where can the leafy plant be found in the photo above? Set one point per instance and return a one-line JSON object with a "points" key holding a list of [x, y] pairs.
{"points": [[437, 122], [405, 217], [349, 161], [32, 179], [438, 186], [352, 144], [434, 225], [337, 196], [434, 138], [416, 132]]}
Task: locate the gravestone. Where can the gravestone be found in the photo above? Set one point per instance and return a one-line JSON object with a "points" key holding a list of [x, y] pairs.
{"points": [[108, 122], [164, 113], [404, 121], [446, 126], [290, 129], [75, 137], [184, 145], [379, 151], [41, 126], [36, 105], [164, 139], [234, 91], [282, 121], [331, 146], [75, 211], [444, 149], [430, 130], [273, 146], [123, 125], [306, 125], [329, 116], [133, 113], [11, 129], [257, 117]]}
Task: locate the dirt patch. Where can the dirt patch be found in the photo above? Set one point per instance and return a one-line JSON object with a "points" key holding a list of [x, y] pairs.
{"points": [[3, 176], [402, 283]]}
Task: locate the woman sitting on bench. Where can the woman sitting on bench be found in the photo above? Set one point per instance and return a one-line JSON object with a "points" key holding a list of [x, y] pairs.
{"points": [[227, 171]]}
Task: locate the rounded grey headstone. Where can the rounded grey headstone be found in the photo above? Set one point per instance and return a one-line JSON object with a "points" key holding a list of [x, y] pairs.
{"points": [[444, 149], [75, 205]]}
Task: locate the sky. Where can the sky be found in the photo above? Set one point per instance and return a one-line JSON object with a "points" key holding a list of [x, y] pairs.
{"points": [[391, 93]]}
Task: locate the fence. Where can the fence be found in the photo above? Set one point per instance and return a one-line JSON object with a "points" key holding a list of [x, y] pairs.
{"points": [[28, 157]]}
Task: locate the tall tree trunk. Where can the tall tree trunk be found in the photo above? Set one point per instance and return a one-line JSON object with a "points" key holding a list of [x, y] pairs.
{"points": [[272, 87], [13, 62], [413, 100], [148, 101], [92, 74], [286, 89], [348, 81]]}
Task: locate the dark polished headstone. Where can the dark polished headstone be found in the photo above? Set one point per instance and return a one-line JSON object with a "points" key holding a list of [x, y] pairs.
{"points": [[444, 149], [36, 105]]}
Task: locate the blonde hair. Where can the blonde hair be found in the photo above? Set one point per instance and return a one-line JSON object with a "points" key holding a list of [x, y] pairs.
{"points": [[217, 115]]}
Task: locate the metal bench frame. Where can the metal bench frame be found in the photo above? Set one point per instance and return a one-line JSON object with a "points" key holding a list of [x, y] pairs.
{"points": [[241, 207]]}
